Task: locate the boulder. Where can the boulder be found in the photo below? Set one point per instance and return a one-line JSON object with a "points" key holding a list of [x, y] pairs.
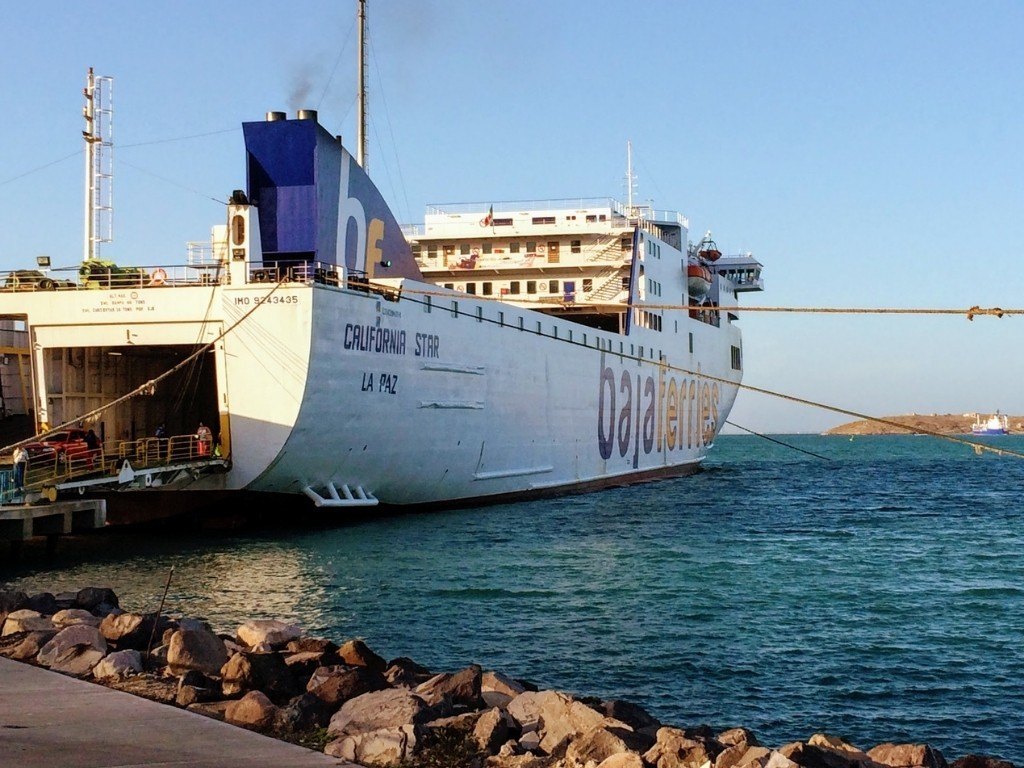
{"points": [[355, 653], [30, 645], [71, 616], [44, 602], [385, 746], [499, 683], [118, 665], [633, 715], [598, 744], [735, 736], [777, 760], [24, 620], [832, 742], [676, 748], [821, 756], [77, 636], [12, 600], [195, 687], [406, 673], [555, 716], [907, 755], [134, 630], [91, 598], [462, 687], [196, 649], [196, 625], [303, 713], [980, 761], [390, 708], [74, 650], [213, 709], [622, 760], [254, 711], [337, 684], [492, 729], [265, 672], [302, 665], [66, 600], [269, 633], [311, 645], [731, 755]]}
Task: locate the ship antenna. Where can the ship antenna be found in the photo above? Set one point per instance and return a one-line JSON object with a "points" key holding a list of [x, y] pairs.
{"points": [[361, 137], [99, 163], [630, 179]]}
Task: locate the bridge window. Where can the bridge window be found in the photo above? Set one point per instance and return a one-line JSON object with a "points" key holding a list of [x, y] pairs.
{"points": [[513, 247], [552, 286], [531, 286], [487, 289], [513, 287], [737, 359], [588, 285], [464, 249], [574, 246]]}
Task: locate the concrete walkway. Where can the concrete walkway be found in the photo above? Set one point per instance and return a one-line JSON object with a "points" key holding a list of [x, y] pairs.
{"points": [[48, 719]]}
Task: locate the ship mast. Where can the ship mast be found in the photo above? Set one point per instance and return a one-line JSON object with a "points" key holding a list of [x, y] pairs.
{"points": [[361, 134], [99, 163], [630, 179]]}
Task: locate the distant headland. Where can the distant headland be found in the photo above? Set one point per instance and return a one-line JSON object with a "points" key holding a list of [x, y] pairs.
{"points": [[945, 423]]}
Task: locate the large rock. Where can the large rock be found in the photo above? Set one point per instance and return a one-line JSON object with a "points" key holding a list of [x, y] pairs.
{"points": [[406, 673], [302, 665], [92, 598], [44, 602], [196, 649], [391, 708], [311, 645], [492, 729], [828, 752], [265, 672], [30, 646], [735, 736], [676, 748], [254, 711], [623, 760], [267, 633], [212, 709], [633, 715], [134, 630], [385, 746], [302, 713], [12, 600], [462, 687], [25, 620], [337, 684], [598, 744], [980, 761], [555, 716], [71, 616], [118, 665], [907, 755], [74, 650], [356, 653]]}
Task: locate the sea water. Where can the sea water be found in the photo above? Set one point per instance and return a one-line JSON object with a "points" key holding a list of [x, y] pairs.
{"points": [[877, 595]]}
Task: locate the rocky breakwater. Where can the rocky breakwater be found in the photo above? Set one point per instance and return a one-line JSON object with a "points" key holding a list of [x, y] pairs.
{"points": [[345, 699]]}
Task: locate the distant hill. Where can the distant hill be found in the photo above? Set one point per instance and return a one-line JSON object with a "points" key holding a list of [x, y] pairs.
{"points": [[945, 423]]}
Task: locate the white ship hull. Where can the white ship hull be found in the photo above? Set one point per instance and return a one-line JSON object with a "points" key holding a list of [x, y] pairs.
{"points": [[332, 369]]}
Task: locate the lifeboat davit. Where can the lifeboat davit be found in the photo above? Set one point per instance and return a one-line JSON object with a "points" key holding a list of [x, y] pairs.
{"points": [[698, 280]]}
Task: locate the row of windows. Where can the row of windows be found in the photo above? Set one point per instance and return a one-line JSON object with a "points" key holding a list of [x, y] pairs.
{"points": [[517, 287], [653, 249], [653, 287], [557, 332], [591, 219], [488, 247]]}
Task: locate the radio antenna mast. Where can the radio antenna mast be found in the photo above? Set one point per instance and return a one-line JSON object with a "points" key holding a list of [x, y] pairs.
{"points": [[99, 163], [361, 136]]}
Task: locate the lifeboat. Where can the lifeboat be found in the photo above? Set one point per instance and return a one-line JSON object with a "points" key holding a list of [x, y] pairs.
{"points": [[698, 280]]}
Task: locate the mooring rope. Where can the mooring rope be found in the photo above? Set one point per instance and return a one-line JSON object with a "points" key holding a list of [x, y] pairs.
{"points": [[778, 442], [145, 388]]}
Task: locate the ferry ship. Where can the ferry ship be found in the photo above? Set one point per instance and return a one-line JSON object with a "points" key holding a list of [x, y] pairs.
{"points": [[997, 424], [497, 351]]}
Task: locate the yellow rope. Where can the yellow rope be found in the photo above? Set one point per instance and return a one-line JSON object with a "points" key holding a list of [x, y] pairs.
{"points": [[970, 312]]}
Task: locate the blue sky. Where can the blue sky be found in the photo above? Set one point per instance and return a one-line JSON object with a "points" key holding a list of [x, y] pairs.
{"points": [[868, 153]]}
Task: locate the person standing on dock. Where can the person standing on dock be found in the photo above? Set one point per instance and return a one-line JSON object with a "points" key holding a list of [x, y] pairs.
{"points": [[20, 459]]}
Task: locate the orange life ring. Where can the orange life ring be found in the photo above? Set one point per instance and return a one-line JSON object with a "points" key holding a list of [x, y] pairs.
{"points": [[159, 276]]}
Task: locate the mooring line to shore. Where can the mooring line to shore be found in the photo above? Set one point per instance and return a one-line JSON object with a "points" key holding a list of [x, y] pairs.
{"points": [[976, 447], [146, 387], [970, 312], [778, 442]]}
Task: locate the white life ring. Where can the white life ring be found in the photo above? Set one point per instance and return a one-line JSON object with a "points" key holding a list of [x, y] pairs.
{"points": [[159, 276]]}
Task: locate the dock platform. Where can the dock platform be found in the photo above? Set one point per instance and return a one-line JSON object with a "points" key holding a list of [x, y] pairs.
{"points": [[25, 521], [49, 719]]}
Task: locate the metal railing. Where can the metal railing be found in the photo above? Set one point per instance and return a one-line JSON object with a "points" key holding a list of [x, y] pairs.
{"points": [[113, 277]]}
